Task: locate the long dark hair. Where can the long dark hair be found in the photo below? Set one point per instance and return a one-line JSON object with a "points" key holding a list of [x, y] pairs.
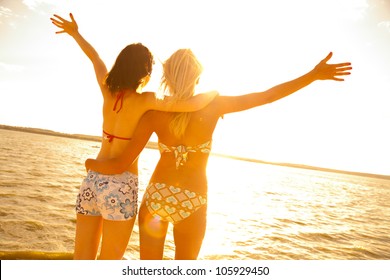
{"points": [[132, 65]]}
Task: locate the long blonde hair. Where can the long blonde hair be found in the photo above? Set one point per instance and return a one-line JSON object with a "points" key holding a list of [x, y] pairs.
{"points": [[181, 72]]}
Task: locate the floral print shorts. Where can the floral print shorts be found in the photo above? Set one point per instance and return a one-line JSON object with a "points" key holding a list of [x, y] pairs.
{"points": [[114, 197]]}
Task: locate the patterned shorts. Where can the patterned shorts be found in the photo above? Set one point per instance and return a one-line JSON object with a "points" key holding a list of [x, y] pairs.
{"points": [[114, 197]]}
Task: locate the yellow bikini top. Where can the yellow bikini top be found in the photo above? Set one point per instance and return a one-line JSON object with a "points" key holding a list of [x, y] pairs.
{"points": [[181, 151]]}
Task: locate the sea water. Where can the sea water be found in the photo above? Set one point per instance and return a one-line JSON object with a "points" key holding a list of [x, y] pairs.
{"points": [[255, 211]]}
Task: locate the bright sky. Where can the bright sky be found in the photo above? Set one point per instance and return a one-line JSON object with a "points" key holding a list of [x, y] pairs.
{"points": [[47, 82]]}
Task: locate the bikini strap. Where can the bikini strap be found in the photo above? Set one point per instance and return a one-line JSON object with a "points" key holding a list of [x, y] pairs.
{"points": [[111, 137], [119, 97], [181, 152], [108, 136]]}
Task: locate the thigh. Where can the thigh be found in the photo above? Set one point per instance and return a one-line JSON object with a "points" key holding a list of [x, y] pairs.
{"points": [[189, 234], [88, 234], [86, 202], [152, 235], [115, 238]]}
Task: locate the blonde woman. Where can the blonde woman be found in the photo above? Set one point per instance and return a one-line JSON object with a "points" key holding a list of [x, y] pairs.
{"points": [[107, 205], [177, 192]]}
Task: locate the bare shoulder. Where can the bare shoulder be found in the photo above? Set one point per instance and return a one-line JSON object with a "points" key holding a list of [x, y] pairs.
{"points": [[211, 92], [217, 100], [149, 95], [105, 91], [215, 106], [148, 99]]}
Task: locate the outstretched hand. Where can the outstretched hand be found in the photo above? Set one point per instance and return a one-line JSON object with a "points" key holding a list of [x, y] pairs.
{"points": [[324, 71], [69, 27]]}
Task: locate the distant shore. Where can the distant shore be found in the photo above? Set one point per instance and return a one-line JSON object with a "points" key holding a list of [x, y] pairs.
{"points": [[153, 145]]}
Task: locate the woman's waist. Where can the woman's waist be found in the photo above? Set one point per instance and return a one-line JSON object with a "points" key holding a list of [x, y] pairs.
{"points": [[112, 149], [106, 155], [190, 163], [194, 182]]}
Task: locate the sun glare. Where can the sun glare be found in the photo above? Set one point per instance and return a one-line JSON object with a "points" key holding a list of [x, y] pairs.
{"points": [[244, 46]]}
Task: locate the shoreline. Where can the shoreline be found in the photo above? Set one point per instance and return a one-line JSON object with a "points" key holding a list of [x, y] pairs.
{"points": [[153, 145]]}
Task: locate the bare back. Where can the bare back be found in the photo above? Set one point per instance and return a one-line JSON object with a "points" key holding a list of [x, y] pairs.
{"points": [[121, 117], [192, 173]]}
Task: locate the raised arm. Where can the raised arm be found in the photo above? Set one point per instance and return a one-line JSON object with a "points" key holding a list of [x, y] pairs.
{"points": [[130, 154], [190, 105], [322, 71], [71, 28]]}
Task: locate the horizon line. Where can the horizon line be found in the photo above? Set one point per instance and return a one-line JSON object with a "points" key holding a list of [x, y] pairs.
{"points": [[153, 145]]}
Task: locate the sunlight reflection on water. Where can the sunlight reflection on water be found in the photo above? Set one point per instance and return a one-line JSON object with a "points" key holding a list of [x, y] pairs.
{"points": [[255, 211]]}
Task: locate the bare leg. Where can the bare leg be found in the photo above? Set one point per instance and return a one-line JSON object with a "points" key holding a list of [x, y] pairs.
{"points": [[152, 235], [116, 235], [189, 234], [88, 234]]}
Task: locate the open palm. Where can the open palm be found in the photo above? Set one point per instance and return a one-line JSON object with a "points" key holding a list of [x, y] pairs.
{"points": [[326, 71], [69, 27]]}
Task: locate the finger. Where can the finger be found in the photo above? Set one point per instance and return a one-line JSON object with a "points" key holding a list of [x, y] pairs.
{"points": [[327, 57], [54, 21], [59, 32], [338, 74], [341, 64], [343, 69], [342, 74], [59, 25], [345, 66], [60, 18], [71, 17]]}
